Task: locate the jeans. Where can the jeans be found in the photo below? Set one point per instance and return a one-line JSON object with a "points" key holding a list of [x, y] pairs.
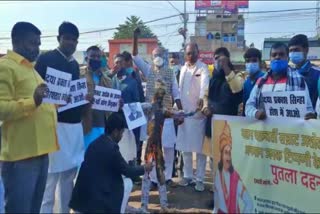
{"points": [[24, 183], [65, 187]]}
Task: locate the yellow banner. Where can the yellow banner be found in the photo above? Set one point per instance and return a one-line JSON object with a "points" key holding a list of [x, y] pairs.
{"points": [[266, 166]]}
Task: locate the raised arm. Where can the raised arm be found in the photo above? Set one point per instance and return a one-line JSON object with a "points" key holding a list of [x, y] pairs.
{"points": [[138, 61]]}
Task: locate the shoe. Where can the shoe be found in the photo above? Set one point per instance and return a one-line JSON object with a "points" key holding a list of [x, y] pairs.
{"points": [[185, 182], [199, 186], [153, 186], [171, 183], [131, 209]]}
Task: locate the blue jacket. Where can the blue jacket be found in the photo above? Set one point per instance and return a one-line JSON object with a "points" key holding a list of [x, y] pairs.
{"points": [[311, 75]]}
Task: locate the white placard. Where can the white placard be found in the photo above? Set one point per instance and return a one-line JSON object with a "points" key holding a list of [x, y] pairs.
{"points": [[78, 92], [106, 99], [144, 87], [286, 104], [134, 115], [58, 83]]}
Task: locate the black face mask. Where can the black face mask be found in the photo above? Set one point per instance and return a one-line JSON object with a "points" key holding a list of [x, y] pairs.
{"points": [[94, 64]]}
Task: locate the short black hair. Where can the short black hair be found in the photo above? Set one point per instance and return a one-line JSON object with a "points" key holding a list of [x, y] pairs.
{"points": [[115, 121], [93, 48], [126, 56], [280, 45], [174, 56], [252, 52], [223, 51], [68, 28], [21, 29], [118, 56], [300, 39]]}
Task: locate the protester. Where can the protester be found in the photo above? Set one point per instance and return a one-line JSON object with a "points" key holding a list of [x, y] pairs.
{"points": [[29, 126], [280, 77], [99, 187], [159, 70], [194, 81], [298, 53], [253, 61], [63, 164], [93, 120]]}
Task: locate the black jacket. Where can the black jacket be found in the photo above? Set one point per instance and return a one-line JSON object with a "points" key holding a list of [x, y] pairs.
{"points": [[99, 186], [221, 99]]}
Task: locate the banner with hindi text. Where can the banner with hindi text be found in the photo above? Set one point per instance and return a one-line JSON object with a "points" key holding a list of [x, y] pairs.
{"points": [[269, 166]]}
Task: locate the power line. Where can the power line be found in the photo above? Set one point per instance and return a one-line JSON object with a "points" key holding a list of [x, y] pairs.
{"points": [[174, 7]]}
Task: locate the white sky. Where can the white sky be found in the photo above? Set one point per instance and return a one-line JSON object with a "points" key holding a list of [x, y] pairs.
{"points": [[93, 15]]}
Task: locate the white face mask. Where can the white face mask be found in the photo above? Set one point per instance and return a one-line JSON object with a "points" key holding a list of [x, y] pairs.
{"points": [[158, 61]]}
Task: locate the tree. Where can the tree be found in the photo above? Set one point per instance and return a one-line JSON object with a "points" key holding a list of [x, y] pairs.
{"points": [[125, 31]]}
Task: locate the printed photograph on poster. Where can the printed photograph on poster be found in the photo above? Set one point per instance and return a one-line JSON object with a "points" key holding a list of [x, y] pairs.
{"points": [[134, 115], [78, 93], [227, 176], [106, 99], [58, 83]]}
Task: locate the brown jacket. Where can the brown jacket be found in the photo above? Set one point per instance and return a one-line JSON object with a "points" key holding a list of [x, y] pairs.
{"points": [[105, 81]]}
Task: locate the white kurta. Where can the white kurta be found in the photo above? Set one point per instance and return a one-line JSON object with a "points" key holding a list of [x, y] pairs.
{"points": [[193, 83], [71, 152]]}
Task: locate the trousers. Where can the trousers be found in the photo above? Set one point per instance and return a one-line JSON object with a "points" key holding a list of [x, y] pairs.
{"points": [[24, 184], [64, 181], [188, 166], [128, 185], [168, 155]]}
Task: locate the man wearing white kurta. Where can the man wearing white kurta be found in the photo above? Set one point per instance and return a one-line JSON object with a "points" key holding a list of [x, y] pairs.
{"points": [[194, 81], [160, 70]]}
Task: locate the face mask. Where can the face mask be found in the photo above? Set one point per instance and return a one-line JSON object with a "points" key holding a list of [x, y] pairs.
{"points": [[296, 57], [94, 64], [158, 61], [252, 67], [129, 71], [279, 66], [217, 66]]}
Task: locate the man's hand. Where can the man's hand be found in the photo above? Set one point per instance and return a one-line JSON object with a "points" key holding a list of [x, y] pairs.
{"points": [[136, 32], [224, 63], [261, 115], [310, 115], [39, 93], [207, 112], [200, 104], [90, 98], [148, 167]]}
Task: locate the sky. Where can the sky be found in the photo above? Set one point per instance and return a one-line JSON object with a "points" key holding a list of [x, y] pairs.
{"points": [[94, 15]]}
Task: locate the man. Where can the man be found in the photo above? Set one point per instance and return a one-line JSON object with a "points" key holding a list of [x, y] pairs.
{"points": [[99, 187], [159, 70], [280, 78], [253, 61], [28, 129], [174, 64], [93, 120], [299, 48], [134, 115], [63, 164], [228, 185], [194, 81]]}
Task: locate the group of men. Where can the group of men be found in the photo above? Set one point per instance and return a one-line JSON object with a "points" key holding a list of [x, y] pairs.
{"points": [[42, 149]]}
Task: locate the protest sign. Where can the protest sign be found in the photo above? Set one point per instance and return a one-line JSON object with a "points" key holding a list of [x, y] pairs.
{"points": [[289, 104], [261, 163], [78, 92], [106, 99], [134, 115], [58, 83], [144, 87]]}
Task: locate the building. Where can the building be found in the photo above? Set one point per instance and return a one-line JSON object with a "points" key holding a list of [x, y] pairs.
{"points": [[145, 48], [215, 28], [318, 19], [314, 48]]}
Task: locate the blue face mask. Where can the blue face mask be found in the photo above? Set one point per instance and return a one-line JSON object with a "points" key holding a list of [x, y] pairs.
{"points": [[129, 71], [252, 67], [279, 66], [296, 57]]}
